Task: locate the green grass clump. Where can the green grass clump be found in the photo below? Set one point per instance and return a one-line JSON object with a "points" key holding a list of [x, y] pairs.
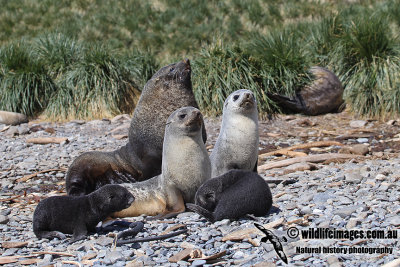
{"points": [[221, 70], [25, 86], [283, 65], [274, 63], [367, 59], [99, 85]]}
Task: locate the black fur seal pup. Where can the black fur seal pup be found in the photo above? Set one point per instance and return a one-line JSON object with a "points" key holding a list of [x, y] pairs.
{"points": [[323, 95], [140, 159], [238, 140], [78, 215], [185, 167], [233, 195]]}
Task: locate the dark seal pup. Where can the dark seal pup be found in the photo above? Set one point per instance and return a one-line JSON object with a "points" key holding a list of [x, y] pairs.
{"points": [[233, 195], [78, 215], [140, 159], [323, 95]]}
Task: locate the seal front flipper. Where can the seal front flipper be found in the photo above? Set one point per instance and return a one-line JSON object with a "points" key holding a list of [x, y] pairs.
{"points": [[295, 104], [50, 234], [203, 212]]}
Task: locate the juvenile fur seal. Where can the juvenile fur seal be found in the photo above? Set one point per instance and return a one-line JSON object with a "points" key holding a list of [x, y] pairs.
{"points": [[323, 95], [233, 195], [237, 143], [185, 166], [140, 159], [78, 215]]}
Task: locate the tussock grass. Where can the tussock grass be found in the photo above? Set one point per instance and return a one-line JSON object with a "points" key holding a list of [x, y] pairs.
{"points": [[51, 58], [25, 85], [367, 59]]}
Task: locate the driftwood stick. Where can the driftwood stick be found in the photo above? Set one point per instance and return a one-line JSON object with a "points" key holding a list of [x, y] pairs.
{"points": [[27, 177], [47, 140], [284, 151], [54, 253], [312, 158]]}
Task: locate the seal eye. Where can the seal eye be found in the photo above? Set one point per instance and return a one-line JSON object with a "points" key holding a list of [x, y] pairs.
{"points": [[235, 97], [209, 196], [182, 116]]}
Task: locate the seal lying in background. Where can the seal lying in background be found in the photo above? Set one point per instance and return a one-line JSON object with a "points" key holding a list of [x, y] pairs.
{"points": [[233, 195], [237, 143], [323, 95], [12, 118], [186, 165], [78, 215], [140, 159]]}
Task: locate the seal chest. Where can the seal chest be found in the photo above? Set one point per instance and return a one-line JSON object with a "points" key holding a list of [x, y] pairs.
{"points": [[186, 165], [237, 143]]}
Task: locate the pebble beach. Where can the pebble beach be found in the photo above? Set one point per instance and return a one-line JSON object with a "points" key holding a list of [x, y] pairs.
{"points": [[357, 194]]}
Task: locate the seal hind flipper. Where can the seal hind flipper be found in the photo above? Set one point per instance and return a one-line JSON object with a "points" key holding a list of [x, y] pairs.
{"points": [[202, 211], [295, 104], [50, 234]]}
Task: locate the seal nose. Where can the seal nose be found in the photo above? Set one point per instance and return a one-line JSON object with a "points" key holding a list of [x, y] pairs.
{"points": [[196, 113]]}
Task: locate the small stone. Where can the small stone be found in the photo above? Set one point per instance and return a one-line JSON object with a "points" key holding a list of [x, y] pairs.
{"points": [[4, 219], [345, 211], [359, 149], [115, 256], [352, 223], [394, 221], [198, 262], [23, 129], [358, 123], [12, 131], [362, 140], [353, 177], [380, 177], [238, 255], [322, 197]]}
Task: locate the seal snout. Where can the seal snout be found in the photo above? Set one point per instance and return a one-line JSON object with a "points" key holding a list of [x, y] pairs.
{"points": [[248, 100], [194, 117]]}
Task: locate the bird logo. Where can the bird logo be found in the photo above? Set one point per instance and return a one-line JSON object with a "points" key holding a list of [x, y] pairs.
{"points": [[271, 237]]}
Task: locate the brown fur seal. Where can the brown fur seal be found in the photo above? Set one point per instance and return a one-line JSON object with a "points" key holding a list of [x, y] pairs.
{"points": [[169, 89], [12, 118], [323, 95], [78, 215], [233, 195], [237, 143], [186, 165]]}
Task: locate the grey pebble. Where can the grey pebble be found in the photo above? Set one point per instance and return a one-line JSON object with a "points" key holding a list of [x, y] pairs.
{"points": [[4, 219], [198, 263]]}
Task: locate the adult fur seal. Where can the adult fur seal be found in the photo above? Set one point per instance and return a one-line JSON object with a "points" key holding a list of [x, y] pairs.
{"points": [[233, 195], [185, 166], [140, 159], [237, 143], [323, 95], [78, 215]]}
